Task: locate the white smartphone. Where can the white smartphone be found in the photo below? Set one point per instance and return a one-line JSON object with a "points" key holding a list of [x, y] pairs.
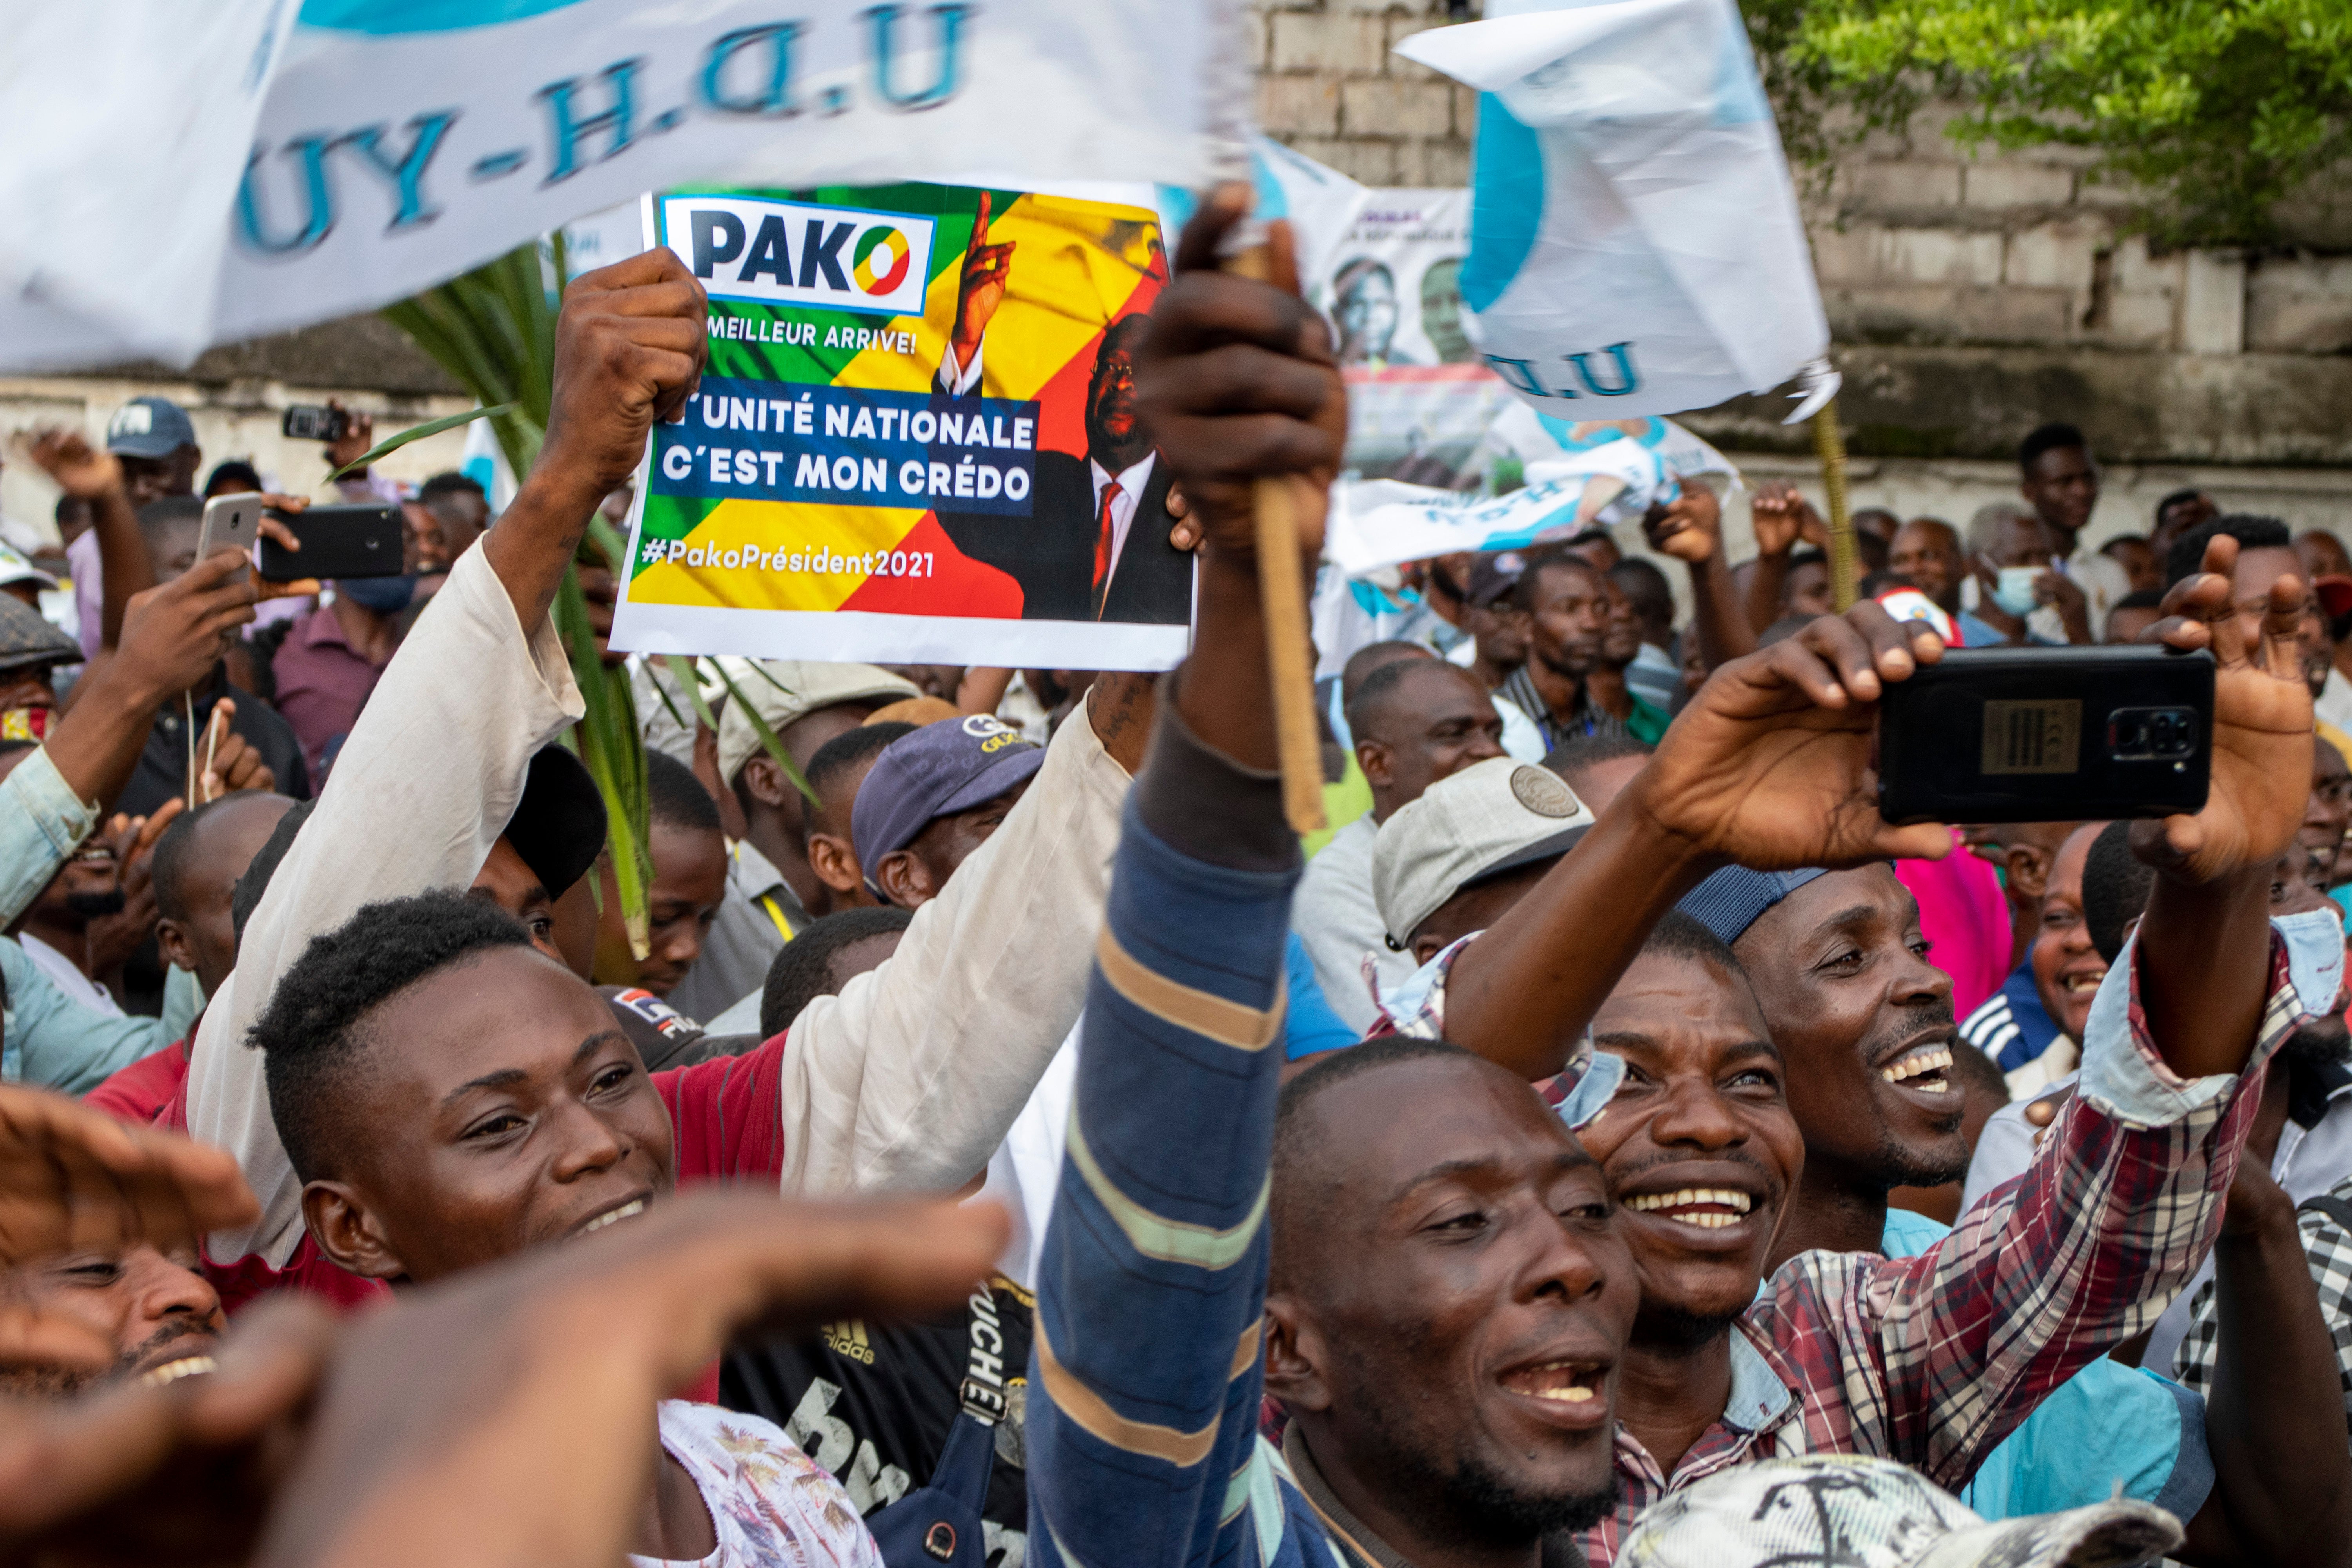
{"points": [[231, 523]]}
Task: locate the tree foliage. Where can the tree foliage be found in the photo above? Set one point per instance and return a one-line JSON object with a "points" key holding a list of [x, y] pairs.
{"points": [[2212, 111]]}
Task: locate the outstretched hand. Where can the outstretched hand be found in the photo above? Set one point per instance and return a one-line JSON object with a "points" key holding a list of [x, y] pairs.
{"points": [[505, 1416], [74, 1178], [1770, 765], [2262, 728], [1689, 528]]}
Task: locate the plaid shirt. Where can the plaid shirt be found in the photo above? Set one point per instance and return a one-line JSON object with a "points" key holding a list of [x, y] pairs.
{"points": [[1933, 1360], [2328, 1247]]}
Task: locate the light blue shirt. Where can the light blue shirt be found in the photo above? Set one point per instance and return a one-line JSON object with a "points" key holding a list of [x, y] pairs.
{"points": [[46, 1036], [2108, 1425]]}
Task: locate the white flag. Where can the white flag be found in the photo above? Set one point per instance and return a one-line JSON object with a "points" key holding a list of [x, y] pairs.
{"points": [[1635, 245], [242, 172]]}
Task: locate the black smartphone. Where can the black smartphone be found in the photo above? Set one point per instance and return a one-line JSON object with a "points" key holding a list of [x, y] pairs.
{"points": [[362, 540], [2060, 734], [316, 421]]}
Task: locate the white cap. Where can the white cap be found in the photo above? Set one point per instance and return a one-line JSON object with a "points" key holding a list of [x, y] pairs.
{"points": [[15, 569], [1491, 818], [1848, 1510]]}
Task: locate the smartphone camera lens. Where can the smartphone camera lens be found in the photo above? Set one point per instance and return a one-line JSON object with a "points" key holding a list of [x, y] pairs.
{"points": [[2152, 734]]}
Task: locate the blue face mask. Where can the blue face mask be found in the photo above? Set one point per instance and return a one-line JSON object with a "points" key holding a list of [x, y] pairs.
{"points": [[384, 596]]}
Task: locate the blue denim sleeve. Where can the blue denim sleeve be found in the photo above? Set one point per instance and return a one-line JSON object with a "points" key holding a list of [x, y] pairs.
{"points": [[54, 1041], [42, 821]]}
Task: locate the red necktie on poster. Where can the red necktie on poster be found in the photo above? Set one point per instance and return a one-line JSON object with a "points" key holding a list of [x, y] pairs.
{"points": [[1103, 537]]}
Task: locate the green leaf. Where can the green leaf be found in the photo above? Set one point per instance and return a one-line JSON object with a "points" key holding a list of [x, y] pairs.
{"points": [[392, 443]]}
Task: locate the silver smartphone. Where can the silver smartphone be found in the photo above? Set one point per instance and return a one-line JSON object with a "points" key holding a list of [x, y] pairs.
{"points": [[231, 523]]}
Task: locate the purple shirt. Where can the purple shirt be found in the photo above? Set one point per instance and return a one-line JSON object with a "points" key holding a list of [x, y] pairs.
{"points": [[89, 591], [323, 682]]}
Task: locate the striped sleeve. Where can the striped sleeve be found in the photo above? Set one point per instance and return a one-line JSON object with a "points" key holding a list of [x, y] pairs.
{"points": [[1152, 1282]]}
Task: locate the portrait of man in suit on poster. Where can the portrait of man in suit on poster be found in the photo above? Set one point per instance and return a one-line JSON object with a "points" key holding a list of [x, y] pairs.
{"points": [[1096, 545]]}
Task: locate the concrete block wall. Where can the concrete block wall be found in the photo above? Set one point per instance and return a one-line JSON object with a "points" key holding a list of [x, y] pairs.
{"points": [[1327, 85]]}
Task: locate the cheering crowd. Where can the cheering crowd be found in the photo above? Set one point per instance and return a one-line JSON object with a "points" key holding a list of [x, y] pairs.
{"points": [[1616, 1143]]}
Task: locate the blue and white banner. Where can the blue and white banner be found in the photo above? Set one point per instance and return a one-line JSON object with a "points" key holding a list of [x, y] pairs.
{"points": [[1579, 477], [187, 174], [1634, 241]]}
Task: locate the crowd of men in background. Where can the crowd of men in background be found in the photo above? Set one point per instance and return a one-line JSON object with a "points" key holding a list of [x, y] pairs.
{"points": [[1607, 1126]]}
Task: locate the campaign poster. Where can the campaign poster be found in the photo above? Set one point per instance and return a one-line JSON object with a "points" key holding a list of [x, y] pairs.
{"points": [[1419, 396], [916, 440]]}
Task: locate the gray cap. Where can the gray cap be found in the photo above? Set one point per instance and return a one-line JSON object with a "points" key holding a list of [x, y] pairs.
{"points": [[150, 427], [786, 690], [28, 641], [1850, 1511], [1491, 818]]}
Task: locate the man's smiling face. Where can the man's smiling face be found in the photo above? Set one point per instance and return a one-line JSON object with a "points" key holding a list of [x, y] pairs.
{"points": [[1865, 1023], [1700, 1148]]}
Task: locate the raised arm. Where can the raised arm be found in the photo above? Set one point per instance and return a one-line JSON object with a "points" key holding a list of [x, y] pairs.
{"points": [[93, 474], [1768, 766], [1146, 1368], [432, 771], [2275, 1412], [629, 349], [1691, 531]]}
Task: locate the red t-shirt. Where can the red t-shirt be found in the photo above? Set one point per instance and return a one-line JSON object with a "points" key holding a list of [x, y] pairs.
{"points": [[141, 1092]]}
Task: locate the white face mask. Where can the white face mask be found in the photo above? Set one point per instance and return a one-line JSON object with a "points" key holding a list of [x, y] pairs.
{"points": [[2014, 591]]}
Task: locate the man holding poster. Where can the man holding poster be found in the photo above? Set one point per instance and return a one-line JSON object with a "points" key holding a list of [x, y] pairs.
{"points": [[908, 444]]}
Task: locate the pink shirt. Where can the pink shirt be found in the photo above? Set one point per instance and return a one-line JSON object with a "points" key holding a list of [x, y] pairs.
{"points": [[1965, 918], [323, 682]]}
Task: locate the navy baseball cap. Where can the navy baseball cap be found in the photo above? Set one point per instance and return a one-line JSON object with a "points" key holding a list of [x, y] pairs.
{"points": [[149, 427], [1736, 898], [938, 771]]}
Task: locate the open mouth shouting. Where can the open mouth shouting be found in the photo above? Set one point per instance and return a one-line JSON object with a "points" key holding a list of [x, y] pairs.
{"points": [[1567, 1392], [1702, 1208]]}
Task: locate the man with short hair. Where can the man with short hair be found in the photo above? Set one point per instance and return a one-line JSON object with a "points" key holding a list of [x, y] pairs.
{"points": [[2060, 480], [931, 799], [1574, 681], [688, 855], [1415, 720], [2060, 612], [835, 773], [1654, 675], [2265, 554], [2328, 815], [1598, 767], [182, 741], [772, 891], [1927, 551], [832, 952], [154, 444]]}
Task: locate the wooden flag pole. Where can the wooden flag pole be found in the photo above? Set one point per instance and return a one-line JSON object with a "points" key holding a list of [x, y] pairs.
{"points": [[1281, 596], [1829, 446]]}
